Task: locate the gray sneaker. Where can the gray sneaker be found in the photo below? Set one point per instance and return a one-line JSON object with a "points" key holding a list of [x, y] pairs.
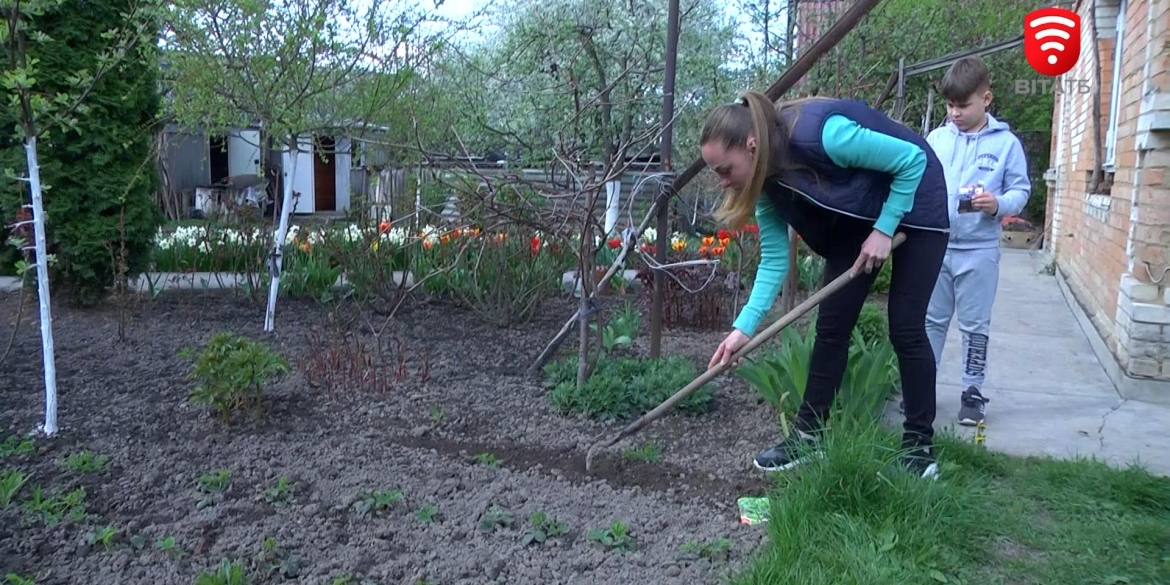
{"points": [[974, 407]]}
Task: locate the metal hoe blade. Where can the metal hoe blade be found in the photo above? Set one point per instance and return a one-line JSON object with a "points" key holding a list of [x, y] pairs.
{"points": [[780, 324]]}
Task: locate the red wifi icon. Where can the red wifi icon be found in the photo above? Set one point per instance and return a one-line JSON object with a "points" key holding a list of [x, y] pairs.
{"points": [[1052, 40]]}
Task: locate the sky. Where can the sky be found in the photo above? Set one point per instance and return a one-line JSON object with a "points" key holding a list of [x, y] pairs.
{"points": [[457, 9]]}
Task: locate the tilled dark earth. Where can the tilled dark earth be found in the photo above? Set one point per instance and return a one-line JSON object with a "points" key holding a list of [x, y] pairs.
{"points": [[128, 400]]}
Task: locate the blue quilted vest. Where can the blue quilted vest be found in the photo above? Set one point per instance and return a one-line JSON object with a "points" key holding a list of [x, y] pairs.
{"points": [[803, 200]]}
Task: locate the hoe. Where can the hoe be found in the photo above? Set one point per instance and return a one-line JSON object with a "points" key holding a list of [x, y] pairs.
{"points": [[796, 313]]}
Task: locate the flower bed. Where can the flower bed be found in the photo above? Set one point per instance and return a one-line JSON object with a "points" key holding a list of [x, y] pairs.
{"points": [[500, 273]]}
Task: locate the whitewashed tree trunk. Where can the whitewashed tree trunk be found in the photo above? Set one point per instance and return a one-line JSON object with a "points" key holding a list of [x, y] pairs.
{"points": [[34, 179], [275, 261], [613, 202]]}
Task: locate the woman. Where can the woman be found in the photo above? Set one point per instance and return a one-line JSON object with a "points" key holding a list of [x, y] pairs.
{"points": [[845, 177]]}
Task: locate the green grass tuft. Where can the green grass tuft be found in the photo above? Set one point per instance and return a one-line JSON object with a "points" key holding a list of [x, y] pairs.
{"points": [[852, 518]]}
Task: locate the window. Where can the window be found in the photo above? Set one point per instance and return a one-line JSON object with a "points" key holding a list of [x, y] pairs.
{"points": [[1115, 90]]}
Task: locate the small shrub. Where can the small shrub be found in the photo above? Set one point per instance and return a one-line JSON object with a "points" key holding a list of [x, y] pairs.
{"points": [[232, 372], [622, 388]]}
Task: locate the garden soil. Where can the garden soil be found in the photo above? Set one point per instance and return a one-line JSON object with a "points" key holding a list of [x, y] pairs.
{"points": [[128, 399]]}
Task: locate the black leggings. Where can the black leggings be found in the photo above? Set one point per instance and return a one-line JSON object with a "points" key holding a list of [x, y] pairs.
{"points": [[916, 265]]}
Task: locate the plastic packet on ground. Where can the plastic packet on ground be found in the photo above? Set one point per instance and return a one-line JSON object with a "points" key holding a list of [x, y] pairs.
{"points": [[753, 511]]}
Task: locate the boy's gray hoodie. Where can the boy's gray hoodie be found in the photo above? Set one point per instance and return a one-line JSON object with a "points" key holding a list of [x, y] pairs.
{"points": [[992, 156]]}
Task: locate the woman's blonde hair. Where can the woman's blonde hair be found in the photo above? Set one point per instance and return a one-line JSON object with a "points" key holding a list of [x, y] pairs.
{"points": [[753, 114]]}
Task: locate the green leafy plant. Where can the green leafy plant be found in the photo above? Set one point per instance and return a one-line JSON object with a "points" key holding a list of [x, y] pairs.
{"points": [[103, 536], [377, 501], [10, 484], [487, 460], [881, 282], [648, 452], [86, 462], [810, 271], [437, 413], [502, 276], [427, 514], [494, 518], [621, 330], [622, 388], [615, 537], [212, 485], [872, 323], [278, 493], [226, 573], [14, 446], [15, 579], [274, 559], [307, 275], [719, 549], [780, 376], [168, 547], [52, 510], [232, 371], [869, 380], [544, 527]]}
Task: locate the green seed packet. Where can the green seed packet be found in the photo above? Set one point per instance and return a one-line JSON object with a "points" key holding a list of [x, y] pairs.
{"points": [[753, 511]]}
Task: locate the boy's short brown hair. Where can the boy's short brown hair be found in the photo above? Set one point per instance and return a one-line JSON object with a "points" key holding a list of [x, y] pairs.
{"points": [[966, 77]]}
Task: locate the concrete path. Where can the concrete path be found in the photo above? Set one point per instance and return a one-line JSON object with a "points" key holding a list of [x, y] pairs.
{"points": [[1049, 394]]}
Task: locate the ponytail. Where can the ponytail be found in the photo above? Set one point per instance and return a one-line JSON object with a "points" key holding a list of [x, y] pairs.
{"points": [[753, 114]]}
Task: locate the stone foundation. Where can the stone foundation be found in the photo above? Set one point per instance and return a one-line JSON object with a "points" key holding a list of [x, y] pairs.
{"points": [[1143, 329]]}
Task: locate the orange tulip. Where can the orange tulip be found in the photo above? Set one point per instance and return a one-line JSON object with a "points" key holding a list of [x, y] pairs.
{"points": [[708, 240]]}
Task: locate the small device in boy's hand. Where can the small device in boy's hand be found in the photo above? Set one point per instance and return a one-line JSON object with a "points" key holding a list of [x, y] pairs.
{"points": [[965, 196]]}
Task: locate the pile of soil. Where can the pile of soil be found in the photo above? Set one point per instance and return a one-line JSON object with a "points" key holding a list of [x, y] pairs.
{"points": [[464, 392]]}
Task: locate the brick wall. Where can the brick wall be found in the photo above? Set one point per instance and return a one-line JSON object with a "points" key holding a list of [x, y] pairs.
{"points": [[1104, 239]]}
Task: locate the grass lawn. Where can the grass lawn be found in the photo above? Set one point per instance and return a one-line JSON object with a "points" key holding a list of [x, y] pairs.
{"points": [[850, 518]]}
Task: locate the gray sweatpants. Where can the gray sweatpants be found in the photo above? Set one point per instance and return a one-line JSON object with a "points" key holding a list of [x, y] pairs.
{"points": [[966, 286]]}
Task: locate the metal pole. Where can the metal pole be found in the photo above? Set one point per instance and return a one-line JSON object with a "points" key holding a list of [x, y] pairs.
{"points": [[663, 201]]}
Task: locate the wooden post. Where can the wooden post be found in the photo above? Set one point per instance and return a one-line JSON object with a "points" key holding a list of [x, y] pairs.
{"points": [[792, 281], [928, 123], [900, 102]]}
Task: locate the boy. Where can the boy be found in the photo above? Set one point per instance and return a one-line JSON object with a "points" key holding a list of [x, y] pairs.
{"points": [[987, 179]]}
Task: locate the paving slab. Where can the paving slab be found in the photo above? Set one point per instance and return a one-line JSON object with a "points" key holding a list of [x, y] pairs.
{"points": [[1049, 394], [9, 284]]}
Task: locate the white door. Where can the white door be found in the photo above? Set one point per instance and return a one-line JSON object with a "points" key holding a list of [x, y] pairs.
{"points": [[244, 152], [302, 181], [342, 161]]}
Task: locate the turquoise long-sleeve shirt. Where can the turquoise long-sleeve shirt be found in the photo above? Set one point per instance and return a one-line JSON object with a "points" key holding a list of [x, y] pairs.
{"points": [[848, 144]]}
